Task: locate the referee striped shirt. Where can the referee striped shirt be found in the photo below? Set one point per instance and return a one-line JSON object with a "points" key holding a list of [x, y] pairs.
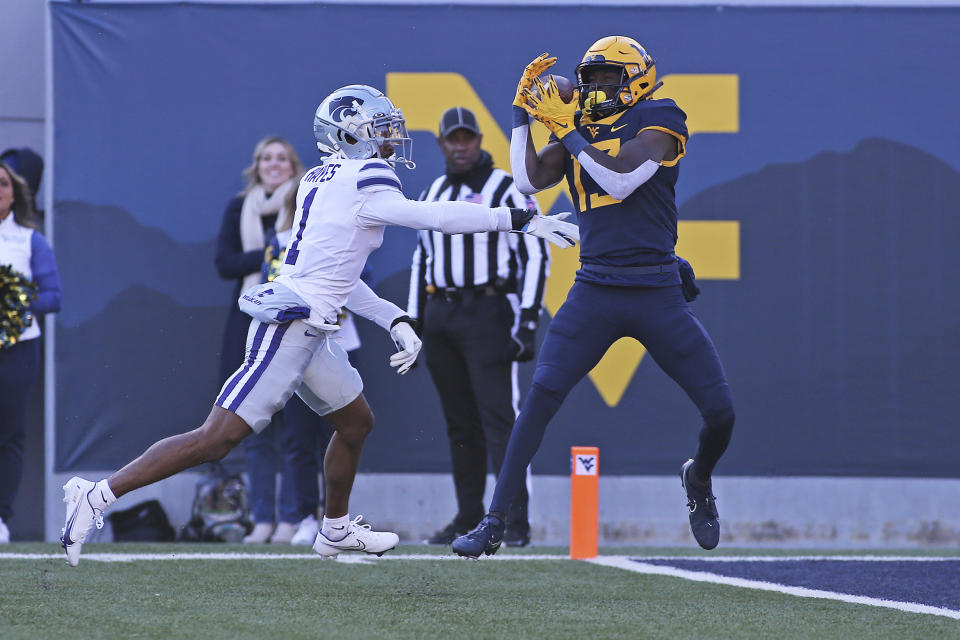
{"points": [[516, 261]]}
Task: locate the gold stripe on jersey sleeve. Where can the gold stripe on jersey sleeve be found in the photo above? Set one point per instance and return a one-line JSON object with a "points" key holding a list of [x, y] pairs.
{"points": [[681, 144]]}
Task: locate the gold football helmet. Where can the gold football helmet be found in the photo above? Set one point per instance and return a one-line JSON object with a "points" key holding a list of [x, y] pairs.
{"points": [[638, 76]]}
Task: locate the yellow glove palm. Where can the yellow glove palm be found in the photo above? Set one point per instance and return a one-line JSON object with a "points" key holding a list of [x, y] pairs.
{"points": [[532, 71], [549, 109]]}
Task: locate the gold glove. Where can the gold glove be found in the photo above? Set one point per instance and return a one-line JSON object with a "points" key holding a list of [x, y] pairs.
{"points": [[536, 68], [547, 107]]}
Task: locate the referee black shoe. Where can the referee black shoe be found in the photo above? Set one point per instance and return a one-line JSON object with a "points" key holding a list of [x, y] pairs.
{"points": [[516, 535], [704, 519], [447, 535]]}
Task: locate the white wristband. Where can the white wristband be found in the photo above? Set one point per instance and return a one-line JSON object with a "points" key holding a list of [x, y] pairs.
{"points": [[618, 185]]}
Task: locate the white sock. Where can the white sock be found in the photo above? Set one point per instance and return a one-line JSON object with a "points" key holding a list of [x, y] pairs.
{"points": [[335, 528], [103, 494]]}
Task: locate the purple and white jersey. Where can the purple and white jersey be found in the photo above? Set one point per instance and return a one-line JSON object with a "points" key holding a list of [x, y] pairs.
{"points": [[342, 207]]}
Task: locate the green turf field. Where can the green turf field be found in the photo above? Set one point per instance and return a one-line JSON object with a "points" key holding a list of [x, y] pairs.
{"points": [[303, 596]]}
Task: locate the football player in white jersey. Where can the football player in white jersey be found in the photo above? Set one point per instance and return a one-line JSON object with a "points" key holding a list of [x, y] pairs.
{"points": [[343, 205]]}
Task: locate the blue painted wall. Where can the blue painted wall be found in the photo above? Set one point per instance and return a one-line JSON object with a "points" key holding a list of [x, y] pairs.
{"points": [[839, 338]]}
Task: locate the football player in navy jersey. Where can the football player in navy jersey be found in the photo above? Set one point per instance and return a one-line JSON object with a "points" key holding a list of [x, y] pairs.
{"points": [[618, 149]]}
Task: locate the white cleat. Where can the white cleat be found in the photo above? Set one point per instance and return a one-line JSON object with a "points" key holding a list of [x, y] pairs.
{"points": [[81, 516], [359, 538]]}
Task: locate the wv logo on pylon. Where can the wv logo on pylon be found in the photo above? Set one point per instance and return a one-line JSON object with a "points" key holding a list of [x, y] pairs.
{"points": [[712, 105], [586, 465]]}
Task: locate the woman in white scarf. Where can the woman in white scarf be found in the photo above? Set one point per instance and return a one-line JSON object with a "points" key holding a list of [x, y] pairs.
{"points": [[249, 223]]}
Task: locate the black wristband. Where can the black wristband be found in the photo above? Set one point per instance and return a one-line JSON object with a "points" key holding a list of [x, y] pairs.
{"points": [[400, 319], [520, 217]]}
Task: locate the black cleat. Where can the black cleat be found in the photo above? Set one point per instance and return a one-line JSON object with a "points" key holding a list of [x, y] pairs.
{"points": [[704, 519], [485, 538], [447, 535], [517, 536]]}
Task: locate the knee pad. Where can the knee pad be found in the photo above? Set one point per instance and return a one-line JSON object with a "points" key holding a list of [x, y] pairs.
{"points": [[540, 404], [716, 406], [720, 419]]}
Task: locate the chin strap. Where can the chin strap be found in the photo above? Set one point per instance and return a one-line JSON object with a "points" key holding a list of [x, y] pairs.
{"points": [[403, 162]]}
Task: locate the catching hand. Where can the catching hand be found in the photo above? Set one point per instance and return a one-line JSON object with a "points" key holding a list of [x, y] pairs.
{"points": [[540, 64], [547, 107], [408, 344]]}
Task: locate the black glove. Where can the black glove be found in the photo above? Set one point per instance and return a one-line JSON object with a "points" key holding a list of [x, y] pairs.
{"points": [[524, 340]]}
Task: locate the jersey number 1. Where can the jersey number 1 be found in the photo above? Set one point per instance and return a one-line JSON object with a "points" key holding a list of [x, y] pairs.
{"points": [[293, 251]]}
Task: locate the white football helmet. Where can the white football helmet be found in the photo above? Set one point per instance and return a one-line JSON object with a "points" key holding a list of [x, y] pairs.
{"points": [[356, 122]]}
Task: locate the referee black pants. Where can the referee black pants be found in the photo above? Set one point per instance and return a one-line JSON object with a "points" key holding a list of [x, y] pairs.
{"points": [[468, 352]]}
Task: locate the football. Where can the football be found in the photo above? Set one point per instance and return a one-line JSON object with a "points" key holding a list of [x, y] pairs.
{"points": [[563, 85]]}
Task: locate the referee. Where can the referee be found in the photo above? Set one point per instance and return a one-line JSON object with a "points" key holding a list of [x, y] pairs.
{"points": [[477, 297]]}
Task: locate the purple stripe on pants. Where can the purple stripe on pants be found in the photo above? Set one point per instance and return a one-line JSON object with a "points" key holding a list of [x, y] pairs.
{"points": [[257, 340], [258, 372]]}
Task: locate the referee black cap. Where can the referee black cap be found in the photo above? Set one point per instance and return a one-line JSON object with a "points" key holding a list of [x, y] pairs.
{"points": [[458, 118]]}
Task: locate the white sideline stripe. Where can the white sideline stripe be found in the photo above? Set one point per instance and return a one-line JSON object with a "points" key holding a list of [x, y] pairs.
{"points": [[345, 557], [624, 562]]}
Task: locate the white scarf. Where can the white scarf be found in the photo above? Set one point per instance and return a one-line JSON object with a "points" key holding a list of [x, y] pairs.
{"points": [[256, 204]]}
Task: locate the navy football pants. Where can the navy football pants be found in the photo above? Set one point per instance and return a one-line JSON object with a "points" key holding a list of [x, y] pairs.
{"points": [[592, 319]]}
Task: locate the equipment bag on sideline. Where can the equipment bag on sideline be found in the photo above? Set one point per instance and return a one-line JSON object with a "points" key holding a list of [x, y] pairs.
{"points": [[145, 522]]}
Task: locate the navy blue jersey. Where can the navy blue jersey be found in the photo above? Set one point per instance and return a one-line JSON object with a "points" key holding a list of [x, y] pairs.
{"points": [[640, 230]]}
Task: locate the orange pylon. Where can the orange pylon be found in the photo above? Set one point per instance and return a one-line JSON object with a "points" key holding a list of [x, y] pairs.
{"points": [[584, 501]]}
